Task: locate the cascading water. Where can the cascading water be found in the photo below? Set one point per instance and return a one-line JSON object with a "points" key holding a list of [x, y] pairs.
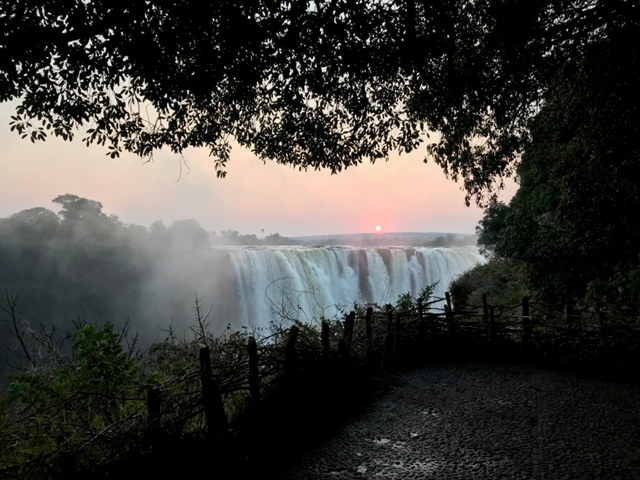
{"points": [[309, 282]]}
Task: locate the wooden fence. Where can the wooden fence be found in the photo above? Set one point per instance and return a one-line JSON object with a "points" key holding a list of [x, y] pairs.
{"points": [[389, 338], [208, 386]]}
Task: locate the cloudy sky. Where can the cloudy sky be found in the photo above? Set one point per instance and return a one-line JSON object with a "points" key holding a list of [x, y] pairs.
{"points": [[403, 194]]}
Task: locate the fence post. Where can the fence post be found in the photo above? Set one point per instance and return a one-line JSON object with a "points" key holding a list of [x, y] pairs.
{"points": [[349, 323], [485, 313], [290, 353], [369, 332], [492, 323], [447, 296], [422, 331], [526, 321], [254, 378], [396, 337], [389, 341], [448, 311], [451, 325], [324, 339], [213, 407]]}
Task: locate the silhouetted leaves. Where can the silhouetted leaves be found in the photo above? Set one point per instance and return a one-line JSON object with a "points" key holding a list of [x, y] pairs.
{"points": [[309, 84], [573, 222]]}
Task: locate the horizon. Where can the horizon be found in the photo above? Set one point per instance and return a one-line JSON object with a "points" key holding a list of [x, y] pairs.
{"points": [[400, 195], [380, 234]]}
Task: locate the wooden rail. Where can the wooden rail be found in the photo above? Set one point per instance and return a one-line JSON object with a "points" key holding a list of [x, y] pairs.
{"points": [[239, 370], [381, 338]]}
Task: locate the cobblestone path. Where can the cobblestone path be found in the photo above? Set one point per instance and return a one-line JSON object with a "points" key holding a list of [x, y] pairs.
{"points": [[484, 421]]}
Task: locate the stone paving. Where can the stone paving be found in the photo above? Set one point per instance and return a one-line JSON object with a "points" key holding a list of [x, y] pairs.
{"points": [[482, 421]]}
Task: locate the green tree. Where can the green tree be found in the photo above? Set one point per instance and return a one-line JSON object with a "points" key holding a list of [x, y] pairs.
{"points": [[503, 281], [312, 84], [83, 219], [158, 231], [573, 221], [277, 239], [490, 226], [100, 363], [188, 234], [74, 407], [75, 208], [34, 224]]}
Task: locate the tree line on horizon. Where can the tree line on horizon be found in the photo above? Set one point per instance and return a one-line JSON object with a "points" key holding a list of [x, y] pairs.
{"points": [[390, 239], [82, 220]]}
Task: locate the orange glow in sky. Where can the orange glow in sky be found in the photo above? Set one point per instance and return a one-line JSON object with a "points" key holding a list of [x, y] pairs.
{"points": [[403, 194]]}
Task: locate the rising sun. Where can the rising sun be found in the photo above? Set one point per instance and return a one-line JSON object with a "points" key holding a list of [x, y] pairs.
{"points": [[378, 228]]}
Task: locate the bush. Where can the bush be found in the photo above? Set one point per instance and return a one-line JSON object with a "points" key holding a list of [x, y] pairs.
{"points": [[503, 281]]}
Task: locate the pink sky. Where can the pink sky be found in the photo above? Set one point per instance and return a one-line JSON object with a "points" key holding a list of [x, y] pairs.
{"points": [[403, 194]]}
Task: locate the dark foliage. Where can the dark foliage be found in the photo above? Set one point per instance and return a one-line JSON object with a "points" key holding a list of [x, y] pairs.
{"points": [[322, 84], [573, 223], [490, 226]]}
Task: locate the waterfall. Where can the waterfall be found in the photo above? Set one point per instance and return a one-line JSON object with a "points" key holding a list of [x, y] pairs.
{"points": [[309, 282]]}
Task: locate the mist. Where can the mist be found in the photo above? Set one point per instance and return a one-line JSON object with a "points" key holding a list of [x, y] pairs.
{"points": [[82, 265], [77, 264]]}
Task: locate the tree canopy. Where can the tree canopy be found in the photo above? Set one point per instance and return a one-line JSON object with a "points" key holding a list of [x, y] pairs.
{"points": [[313, 84], [574, 220]]}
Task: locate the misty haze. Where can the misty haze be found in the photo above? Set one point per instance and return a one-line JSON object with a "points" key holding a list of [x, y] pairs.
{"points": [[82, 264]]}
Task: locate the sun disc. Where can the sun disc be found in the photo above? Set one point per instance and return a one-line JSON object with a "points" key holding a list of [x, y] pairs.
{"points": [[378, 228]]}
